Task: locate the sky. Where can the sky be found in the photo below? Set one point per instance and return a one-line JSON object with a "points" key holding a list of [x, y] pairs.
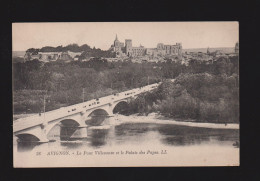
{"points": [[102, 34]]}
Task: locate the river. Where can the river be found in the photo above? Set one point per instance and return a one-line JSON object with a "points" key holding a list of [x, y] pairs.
{"points": [[139, 143]]}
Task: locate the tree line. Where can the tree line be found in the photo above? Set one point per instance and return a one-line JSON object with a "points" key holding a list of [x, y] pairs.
{"points": [[202, 96], [86, 50], [201, 91]]}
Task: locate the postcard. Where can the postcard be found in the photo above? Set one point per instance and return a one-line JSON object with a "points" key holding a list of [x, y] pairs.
{"points": [[125, 94]]}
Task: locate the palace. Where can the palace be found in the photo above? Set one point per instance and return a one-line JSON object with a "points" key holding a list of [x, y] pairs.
{"points": [[127, 49]]}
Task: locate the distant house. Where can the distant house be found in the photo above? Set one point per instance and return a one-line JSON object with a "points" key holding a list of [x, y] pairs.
{"points": [[53, 56], [74, 54], [49, 56]]}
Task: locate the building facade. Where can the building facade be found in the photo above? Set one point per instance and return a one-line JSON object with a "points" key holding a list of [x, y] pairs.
{"points": [[130, 51], [117, 47], [53, 56]]}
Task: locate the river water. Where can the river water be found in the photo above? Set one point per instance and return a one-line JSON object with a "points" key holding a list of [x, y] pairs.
{"points": [[162, 144]]}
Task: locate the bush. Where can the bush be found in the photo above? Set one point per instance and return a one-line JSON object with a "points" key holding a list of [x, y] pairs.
{"points": [[203, 97]]}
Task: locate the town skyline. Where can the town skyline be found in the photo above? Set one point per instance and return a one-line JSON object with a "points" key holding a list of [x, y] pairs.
{"points": [[192, 35]]}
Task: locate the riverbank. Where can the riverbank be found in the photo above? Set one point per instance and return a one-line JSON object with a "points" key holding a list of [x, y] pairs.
{"points": [[158, 119]]}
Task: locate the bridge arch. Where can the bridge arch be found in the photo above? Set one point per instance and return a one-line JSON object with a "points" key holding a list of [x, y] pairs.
{"points": [[98, 112], [67, 128], [97, 117], [72, 123], [69, 122], [120, 106]]}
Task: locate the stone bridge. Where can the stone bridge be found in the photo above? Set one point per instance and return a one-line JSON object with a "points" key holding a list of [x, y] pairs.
{"points": [[37, 127]]}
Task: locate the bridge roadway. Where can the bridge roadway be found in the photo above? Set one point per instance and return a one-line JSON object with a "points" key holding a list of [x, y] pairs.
{"points": [[36, 120]]}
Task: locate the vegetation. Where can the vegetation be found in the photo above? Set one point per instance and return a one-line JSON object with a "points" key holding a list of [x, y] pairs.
{"points": [[209, 96], [201, 91], [64, 82], [86, 50]]}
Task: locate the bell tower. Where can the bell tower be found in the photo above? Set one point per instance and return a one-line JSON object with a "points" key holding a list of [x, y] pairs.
{"points": [[116, 42]]}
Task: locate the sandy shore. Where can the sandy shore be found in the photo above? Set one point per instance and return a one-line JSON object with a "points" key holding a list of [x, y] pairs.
{"points": [[155, 118]]}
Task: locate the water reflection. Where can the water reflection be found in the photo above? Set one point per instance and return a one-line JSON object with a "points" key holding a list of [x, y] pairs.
{"points": [[184, 140], [26, 146], [131, 129], [184, 135], [98, 137], [66, 133], [139, 133], [71, 144]]}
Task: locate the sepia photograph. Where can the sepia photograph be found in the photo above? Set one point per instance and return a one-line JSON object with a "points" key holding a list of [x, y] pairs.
{"points": [[125, 94]]}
